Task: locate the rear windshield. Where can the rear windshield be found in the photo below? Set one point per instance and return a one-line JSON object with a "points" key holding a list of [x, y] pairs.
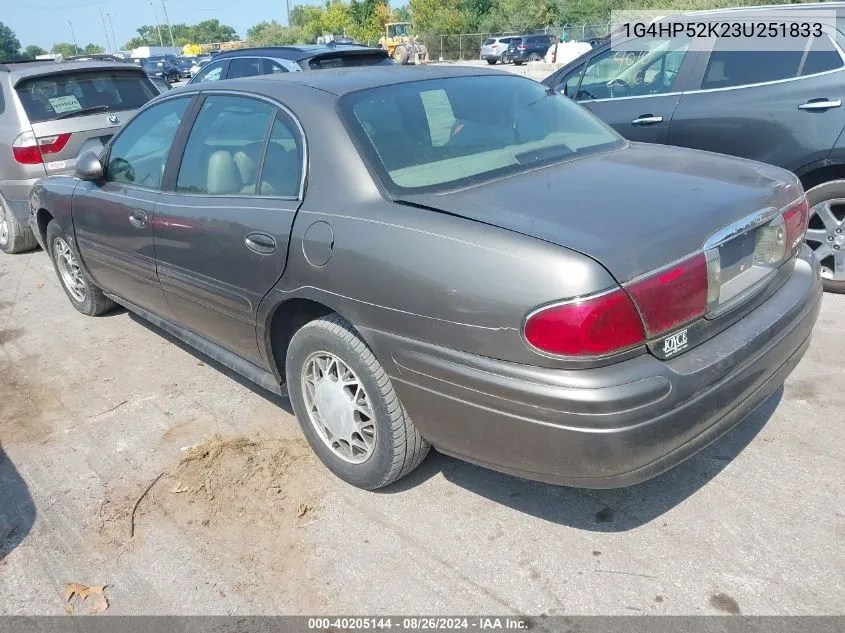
{"points": [[350, 60], [437, 134], [49, 97], [516, 40]]}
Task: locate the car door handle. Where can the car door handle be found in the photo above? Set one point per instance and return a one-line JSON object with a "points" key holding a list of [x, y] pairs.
{"points": [[820, 104], [138, 219], [647, 119], [260, 243]]}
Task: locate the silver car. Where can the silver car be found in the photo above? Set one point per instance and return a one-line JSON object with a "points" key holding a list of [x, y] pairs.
{"points": [[495, 49], [50, 113]]}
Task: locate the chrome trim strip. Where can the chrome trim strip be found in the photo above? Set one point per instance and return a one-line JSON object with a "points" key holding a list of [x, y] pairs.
{"points": [[743, 225], [662, 94]]}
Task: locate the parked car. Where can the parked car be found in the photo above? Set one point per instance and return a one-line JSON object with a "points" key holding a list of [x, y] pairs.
{"points": [[494, 49], [160, 67], [295, 220], [184, 65], [528, 48], [782, 107], [49, 113], [248, 62], [199, 64], [100, 57]]}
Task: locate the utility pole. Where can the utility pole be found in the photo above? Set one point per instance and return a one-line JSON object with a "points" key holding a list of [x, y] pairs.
{"points": [[287, 8], [169, 28], [113, 38], [73, 35], [105, 30], [155, 14]]}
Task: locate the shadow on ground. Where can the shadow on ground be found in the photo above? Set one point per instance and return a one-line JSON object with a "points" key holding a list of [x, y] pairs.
{"points": [[279, 401], [599, 510], [17, 510]]}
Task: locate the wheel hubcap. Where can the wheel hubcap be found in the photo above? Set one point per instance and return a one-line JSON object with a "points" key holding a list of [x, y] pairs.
{"points": [[826, 236], [338, 407], [69, 270], [4, 226]]}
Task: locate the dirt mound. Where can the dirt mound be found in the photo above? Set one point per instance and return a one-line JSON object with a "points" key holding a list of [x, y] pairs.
{"points": [[239, 498]]}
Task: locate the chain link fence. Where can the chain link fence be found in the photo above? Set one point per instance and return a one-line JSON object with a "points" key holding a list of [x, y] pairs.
{"points": [[463, 46]]}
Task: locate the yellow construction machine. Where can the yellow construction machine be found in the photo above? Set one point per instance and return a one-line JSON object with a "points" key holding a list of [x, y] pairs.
{"points": [[401, 45]]}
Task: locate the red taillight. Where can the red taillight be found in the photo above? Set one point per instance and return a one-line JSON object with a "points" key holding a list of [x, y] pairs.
{"points": [[53, 144], [25, 149], [596, 326], [796, 218], [673, 296], [522, 47], [28, 150]]}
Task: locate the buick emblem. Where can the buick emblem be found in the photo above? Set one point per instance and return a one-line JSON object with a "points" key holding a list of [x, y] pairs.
{"points": [[114, 119]]}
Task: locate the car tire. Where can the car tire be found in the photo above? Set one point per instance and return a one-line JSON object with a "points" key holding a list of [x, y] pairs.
{"points": [[15, 236], [517, 63], [533, 57], [492, 62], [504, 58], [320, 355], [83, 293], [818, 196]]}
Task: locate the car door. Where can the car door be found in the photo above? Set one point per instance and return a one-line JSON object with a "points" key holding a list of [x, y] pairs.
{"points": [[113, 219], [783, 107], [635, 86], [223, 225]]}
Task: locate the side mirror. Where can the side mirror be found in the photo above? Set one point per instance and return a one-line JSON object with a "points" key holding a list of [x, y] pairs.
{"points": [[89, 167]]}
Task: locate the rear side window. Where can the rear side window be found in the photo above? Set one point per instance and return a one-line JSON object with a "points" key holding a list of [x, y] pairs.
{"points": [[727, 67], [336, 60], [50, 97], [245, 67], [225, 146], [489, 42], [210, 72], [281, 171]]}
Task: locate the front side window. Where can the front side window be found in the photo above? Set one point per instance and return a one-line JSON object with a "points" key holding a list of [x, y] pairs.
{"points": [[436, 134], [225, 146], [210, 72], [50, 97], [139, 153], [618, 72]]}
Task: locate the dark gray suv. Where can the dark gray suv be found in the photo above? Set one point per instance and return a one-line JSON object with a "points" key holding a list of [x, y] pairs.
{"points": [[779, 107]]}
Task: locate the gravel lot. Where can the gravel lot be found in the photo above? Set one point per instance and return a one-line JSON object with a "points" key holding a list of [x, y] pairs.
{"points": [[131, 461]]}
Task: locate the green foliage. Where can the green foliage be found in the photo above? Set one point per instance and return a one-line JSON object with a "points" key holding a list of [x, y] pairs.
{"points": [[205, 32], [32, 51], [10, 47], [65, 49], [93, 49], [273, 34]]}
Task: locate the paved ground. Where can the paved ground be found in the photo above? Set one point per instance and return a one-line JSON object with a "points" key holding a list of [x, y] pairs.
{"points": [[93, 410]]}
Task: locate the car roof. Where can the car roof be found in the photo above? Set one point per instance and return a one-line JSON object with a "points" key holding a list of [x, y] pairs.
{"points": [[341, 81], [293, 53], [25, 70]]}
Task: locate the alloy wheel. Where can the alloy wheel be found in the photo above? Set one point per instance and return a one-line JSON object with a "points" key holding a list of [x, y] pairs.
{"points": [[338, 407], [69, 270], [4, 226], [826, 236]]}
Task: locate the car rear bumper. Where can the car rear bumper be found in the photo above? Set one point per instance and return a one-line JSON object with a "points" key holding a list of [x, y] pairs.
{"points": [[612, 426], [16, 195]]}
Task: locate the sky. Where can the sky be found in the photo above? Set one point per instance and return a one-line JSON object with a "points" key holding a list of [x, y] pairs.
{"points": [[45, 22]]}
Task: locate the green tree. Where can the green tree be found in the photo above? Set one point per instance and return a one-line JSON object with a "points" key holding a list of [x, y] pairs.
{"points": [[273, 34], [10, 46], [93, 49], [65, 49], [32, 51]]}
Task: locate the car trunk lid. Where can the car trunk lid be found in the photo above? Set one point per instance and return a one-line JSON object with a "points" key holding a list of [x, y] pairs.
{"points": [[606, 207]]}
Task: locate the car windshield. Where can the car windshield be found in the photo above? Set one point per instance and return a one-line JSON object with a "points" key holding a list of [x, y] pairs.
{"points": [[437, 135], [48, 97], [350, 60], [152, 64], [186, 61]]}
